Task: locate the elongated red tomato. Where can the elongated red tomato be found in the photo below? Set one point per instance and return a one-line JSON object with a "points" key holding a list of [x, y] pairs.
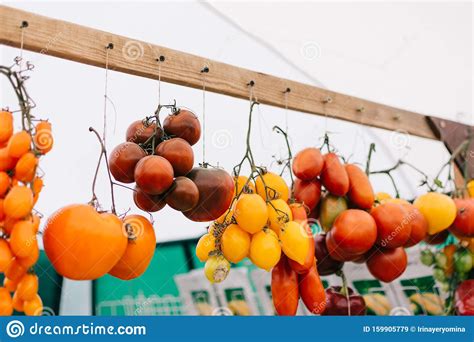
{"points": [[334, 176], [360, 190], [307, 192], [308, 164], [312, 291], [285, 288]]}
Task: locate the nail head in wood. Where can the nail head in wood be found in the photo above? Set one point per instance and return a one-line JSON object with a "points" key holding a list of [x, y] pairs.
{"points": [[327, 100], [24, 24]]}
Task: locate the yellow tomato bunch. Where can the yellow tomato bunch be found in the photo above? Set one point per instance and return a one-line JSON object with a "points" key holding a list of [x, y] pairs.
{"points": [[20, 186], [258, 225]]}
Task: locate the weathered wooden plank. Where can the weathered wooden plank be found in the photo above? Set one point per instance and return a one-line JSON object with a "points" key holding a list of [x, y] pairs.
{"points": [[86, 45]]}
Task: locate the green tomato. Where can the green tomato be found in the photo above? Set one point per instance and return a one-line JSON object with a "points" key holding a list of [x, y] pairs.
{"points": [[439, 274], [444, 287], [441, 260], [427, 257], [462, 260]]}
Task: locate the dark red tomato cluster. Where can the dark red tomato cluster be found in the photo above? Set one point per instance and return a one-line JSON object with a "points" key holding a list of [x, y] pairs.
{"points": [[157, 158]]}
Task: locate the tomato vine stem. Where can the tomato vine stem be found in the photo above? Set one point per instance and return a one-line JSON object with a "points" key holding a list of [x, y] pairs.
{"points": [[288, 160], [103, 153]]}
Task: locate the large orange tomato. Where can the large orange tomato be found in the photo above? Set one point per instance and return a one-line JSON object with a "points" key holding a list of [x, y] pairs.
{"points": [[140, 249], [387, 264], [354, 231], [393, 224], [83, 244]]}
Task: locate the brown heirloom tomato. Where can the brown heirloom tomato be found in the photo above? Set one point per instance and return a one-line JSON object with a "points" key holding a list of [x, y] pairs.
{"points": [[393, 224], [312, 291], [140, 248], [285, 292], [179, 153], [216, 189], [147, 202], [307, 192], [387, 264], [124, 159], [184, 194], [154, 175], [308, 164], [337, 253], [354, 232], [325, 263], [334, 176], [83, 244], [437, 238], [183, 124], [361, 193], [139, 132]]}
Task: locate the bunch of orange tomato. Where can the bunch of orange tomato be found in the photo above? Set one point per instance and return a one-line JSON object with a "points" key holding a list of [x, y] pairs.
{"points": [[20, 187]]}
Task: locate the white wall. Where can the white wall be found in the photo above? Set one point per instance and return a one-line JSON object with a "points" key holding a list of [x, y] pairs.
{"points": [[417, 57]]}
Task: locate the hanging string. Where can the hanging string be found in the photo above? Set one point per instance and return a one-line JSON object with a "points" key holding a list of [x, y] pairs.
{"points": [[204, 71], [107, 48], [251, 96], [159, 80], [18, 59], [287, 92]]}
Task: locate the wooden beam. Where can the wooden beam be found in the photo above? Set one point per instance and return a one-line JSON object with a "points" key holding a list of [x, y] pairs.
{"points": [[86, 45]]}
